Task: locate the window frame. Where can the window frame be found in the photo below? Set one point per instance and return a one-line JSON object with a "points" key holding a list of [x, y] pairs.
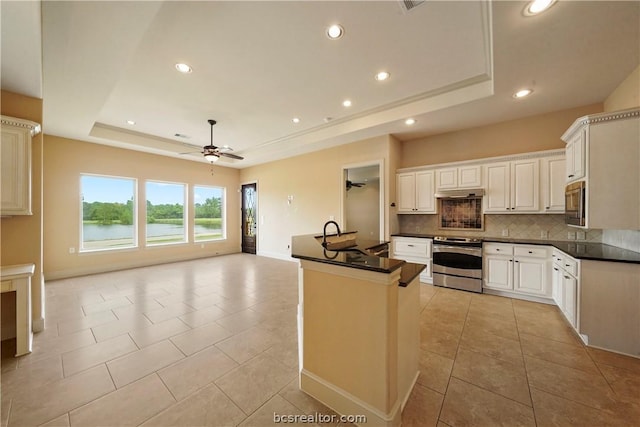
{"points": [[134, 215], [185, 214], [223, 213]]}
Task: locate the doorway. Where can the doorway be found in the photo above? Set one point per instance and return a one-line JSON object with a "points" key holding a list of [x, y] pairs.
{"points": [[249, 216], [362, 200]]}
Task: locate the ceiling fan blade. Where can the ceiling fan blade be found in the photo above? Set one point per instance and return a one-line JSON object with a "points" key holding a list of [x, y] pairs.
{"points": [[231, 156], [191, 152]]}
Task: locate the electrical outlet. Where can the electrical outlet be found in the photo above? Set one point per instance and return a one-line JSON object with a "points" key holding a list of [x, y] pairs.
{"points": [[571, 235], [544, 234], [505, 232], [581, 235], [72, 250], [331, 218]]}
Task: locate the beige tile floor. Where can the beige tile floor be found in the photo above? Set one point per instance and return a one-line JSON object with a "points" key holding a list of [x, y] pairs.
{"points": [[213, 343]]}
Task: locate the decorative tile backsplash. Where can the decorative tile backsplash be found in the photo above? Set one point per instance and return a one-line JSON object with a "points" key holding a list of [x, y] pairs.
{"points": [[461, 214], [536, 227]]}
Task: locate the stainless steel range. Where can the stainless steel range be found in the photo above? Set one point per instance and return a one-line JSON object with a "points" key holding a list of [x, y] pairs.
{"points": [[457, 263]]}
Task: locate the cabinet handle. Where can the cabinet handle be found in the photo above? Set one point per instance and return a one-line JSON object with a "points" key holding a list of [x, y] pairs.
{"points": [[570, 176], [497, 250], [567, 277], [410, 246], [555, 269], [530, 252], [517, 261], [567, 265], [547, 207]]}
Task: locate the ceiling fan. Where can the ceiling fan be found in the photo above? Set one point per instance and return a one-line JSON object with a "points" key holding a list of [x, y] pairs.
{"points": [[351, 184], [213, 153]]}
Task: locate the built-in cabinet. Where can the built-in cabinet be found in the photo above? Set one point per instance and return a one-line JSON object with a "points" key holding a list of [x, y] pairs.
{"points": [[520, 269], [575, 155], [415, 191], [552, 180], [15, 167], [513, 187], [603, 151], [565, 285], [416, 250], [527, 183], [459, 177]]}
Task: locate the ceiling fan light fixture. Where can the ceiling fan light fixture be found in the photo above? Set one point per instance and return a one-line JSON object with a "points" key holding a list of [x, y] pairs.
{"points": [[211, 157]]}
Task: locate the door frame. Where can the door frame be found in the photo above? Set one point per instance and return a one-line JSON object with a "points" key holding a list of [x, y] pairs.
{"points": [[257, 217], [381, 203]]}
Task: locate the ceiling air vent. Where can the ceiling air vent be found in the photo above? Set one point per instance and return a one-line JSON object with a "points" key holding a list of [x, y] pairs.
{"points": [[407, 5]]}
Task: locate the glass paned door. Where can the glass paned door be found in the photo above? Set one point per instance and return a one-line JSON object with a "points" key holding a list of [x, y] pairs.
{"points": [[249, 218]]}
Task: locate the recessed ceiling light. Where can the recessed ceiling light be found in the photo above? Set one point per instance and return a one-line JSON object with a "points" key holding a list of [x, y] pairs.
{"points": [[131, 122], [295, 120], [335, 31], [410, 122], [522, 93], [382, 76], [184, 68], [346, 103], [537, 6]]}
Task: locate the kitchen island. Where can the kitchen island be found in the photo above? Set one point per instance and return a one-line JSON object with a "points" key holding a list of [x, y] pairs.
{"points": [[358, 325]]}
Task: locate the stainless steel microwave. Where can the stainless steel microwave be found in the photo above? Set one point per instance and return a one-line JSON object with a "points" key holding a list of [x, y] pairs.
{"points": [[575, 203]]}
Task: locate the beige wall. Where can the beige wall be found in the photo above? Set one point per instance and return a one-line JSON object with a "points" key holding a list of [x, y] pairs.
{"points": [[315, 182], [536, 133], [21, 236], [66, 159], [626, 95]]}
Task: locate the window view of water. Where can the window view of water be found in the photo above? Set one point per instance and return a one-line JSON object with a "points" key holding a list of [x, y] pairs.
{"points": [[119, 235]]}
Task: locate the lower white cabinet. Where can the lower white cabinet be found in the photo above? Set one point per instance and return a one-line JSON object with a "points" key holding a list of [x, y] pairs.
{"points": [[519, 269], [414, 249], [565, 285]]}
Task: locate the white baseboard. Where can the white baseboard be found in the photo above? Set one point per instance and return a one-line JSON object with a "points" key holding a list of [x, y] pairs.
{"points": [[345, 403]]}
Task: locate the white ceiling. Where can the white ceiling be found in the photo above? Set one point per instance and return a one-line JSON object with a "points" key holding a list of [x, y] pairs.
{"points": [[256, 65]]}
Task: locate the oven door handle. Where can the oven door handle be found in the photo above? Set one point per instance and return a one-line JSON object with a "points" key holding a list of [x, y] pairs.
{"points": [[457, 249]]}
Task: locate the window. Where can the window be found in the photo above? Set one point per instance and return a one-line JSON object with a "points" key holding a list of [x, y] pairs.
{"points": [[108, 212], [209, 211], [165, 213]]}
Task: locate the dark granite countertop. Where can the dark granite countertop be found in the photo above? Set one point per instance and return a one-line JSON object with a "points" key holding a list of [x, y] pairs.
{"points": [[306, 247], [409, 272], [578, 250]]}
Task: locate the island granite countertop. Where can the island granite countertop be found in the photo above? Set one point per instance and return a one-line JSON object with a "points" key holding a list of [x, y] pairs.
{"points": [[579, 250], [308, 248]]}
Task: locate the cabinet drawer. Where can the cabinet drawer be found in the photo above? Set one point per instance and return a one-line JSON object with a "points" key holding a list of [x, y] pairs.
{"points": [[497, 249], [417, 247], [570, 265], [531, 251]]}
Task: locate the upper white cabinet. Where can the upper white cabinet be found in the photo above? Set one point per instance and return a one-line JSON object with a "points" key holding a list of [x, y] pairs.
{"points": [[552, 179], [459, 177], [575, 155], [415, 192], [512, 186], [15, 166], [607, 148]]}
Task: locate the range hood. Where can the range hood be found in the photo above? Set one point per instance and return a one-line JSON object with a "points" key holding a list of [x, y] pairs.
{"points": [[460, 194]]}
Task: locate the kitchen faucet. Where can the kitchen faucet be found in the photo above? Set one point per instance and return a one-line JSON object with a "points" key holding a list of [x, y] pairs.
{"points": [[324, 232]]}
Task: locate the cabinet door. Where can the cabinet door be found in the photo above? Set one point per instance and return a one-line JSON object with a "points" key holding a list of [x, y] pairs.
{"points": [[469, 176], [447, 178], [569, 153], [575, 156], [525, 188], [498, 272], [406, 191], [530, 275], [553, 181], [425, 192], [497, 194], [557, 291], [15, 167], [570, 287]]}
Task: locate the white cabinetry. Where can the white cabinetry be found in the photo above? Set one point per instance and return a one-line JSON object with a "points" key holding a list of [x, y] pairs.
{"points": [[575, 154], [459, 177], [565, 285], [512, 187], [414, 249], [553, 184], [416, 192], [518, 269], [15, 167], [607, 145]]}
